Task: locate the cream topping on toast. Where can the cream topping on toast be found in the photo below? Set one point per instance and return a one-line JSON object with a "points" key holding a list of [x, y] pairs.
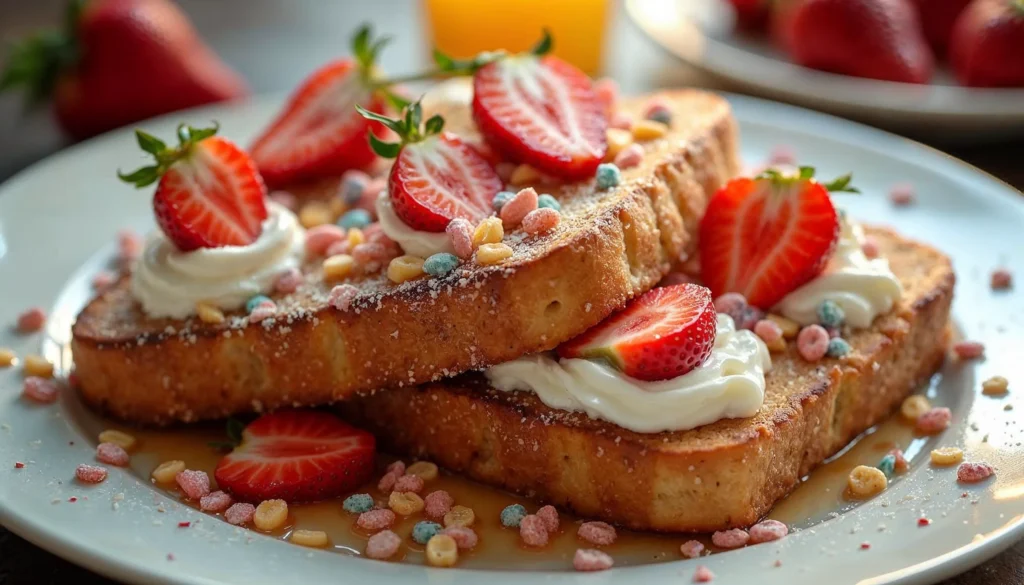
{"points": [[168, 282], [412, 241], [864, 288], [730, 384]]}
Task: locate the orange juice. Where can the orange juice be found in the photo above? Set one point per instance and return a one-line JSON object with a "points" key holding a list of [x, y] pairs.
{"points": [[462, 28]]}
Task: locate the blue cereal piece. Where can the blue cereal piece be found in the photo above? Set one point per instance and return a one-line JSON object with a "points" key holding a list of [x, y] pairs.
{"points": [[255, 301], [608, 176], [355, 218], [501, 199], [512, 515], [425, 530], [837, 347], [887, 465], [440, 264], [830, 314], [358, 503], [549, 202], [662, 115], [352, 190]]}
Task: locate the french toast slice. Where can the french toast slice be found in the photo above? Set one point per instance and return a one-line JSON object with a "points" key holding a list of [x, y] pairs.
{"points": [[722, 475], [610, 246]]}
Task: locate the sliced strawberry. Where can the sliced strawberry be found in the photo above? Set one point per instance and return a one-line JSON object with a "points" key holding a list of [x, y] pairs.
{"points": [[297, 456], [663, 334], [319, 133], [209, 193], [765, 237], [541, 111]]}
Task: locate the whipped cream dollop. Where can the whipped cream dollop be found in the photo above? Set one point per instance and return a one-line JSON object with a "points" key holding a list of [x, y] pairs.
{"points": [[729, 384], [863, 288], [412, 241], [168, 282]]}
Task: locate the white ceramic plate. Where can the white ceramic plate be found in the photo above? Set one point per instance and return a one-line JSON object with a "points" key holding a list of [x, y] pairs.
{"points": [[701, 32], [56, 215]]}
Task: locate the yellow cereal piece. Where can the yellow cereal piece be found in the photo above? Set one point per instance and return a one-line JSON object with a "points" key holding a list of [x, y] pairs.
{"points": [[338, 266], [789, 327], [524, 175], [442, 551], [311, 538], [355, 237], [271, 514], [865, 482], [777, 346], [995, 386], [38, 366], [337, 207], [120, 438], [314, 213], [209, 314], [944, 456], [618, 140], [167, 471], [426, 470], [459, 516], [492, 253], [914, 406], [7, 357], [648, 130], [405, 503], [490, 231], [405, 268]]}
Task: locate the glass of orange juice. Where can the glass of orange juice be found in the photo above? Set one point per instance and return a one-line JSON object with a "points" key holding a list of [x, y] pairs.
{"points": [[463, 28]]}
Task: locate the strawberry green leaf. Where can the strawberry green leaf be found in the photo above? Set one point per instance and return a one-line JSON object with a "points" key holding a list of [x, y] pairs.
{"points": [[543, 46], [384, 149], [141, 177], [434, 125], [806, 172], [234, 430], [398, 126], [361, 44], [841, 185], [149, 143], [396, 101]]}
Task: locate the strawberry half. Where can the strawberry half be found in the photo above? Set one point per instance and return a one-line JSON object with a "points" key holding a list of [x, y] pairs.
{"points": [[537, 109], [297, 456], [437, 176], [209, 192], [766, 236], [663, 334]]}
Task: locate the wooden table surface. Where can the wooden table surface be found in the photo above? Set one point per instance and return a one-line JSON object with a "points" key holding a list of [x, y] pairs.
{"points": [[273, 43]]}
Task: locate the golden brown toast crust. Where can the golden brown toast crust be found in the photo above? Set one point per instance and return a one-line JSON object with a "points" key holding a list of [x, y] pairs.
{"points": [[610, 247], [722, 475]]}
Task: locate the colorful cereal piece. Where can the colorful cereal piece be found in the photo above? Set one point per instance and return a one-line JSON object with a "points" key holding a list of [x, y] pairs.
{"points": [[284, 199], [533, 531], [194, 483], [946, 456], [409, 483], [437, 504], [376, 519], [608, 176], [209, 314], [398, 467], [370, 255], [768, 330], [338, 266], [387, 482], [995, 386], [288, 281], [405, 503], [405, 268], [914, 406], [124, 440], [782, 154], [425, 530], [973, 472], [618, 140], [838, 347], [313, 214], [341, 296], [547, 201], [968, 350], [865, 482], [442, 551], [501, 199], [38, 366], [607, 92], [599, 533], [732, 538], [812, 342], [40, 390], [691, 549], [112, 454], [767, 531], [830, 314], [459, 516], [703, 575], [102, 280], [240, 514], [887, 465], [540, 221], [465, 538], [440, 264], [355, 218], [870, 248], [489, 231], [934, 421], [516, 208], [383, 545], [1001, 279], [353, 184], [310, 538], [648, 130], [658, 110], [620, 119], [217, 501], [7, 357], [900, 464], [488, 254], [90, 473], [31, 320], [271, 514], [358, 503], [512, 515], [549, 514], [168, 471], [902, 195], [263, 312], [321, 237], [591, 560], [129, 245], [629, 157], [524, 175], [256, 301], [460, 233]]}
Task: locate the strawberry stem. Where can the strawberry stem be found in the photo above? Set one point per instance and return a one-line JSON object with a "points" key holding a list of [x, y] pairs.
{"points": [[188, 136], [408, 126], [838, 185], [38, 61]]}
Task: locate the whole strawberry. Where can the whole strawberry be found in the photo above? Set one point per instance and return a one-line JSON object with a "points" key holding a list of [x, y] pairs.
{"points": [[118, 62], [878, 39], [987, 47], [751, 15], [937, 18]]}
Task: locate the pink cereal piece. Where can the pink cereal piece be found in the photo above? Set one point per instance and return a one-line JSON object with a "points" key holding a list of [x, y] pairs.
{"points": [[674, 278], [90, 473], [195, 484], [973, 472], [341, 296], [319, 238], [969, 350], [262, 311], [102, 280], [732, 538], [607, 91], [1002, 279], [541, 221], [31, 320], [533, 531], [599, 533], [767, 531], [40, 390], [217, 501], [387, 483], [870, 247], [621, 120], [703, 575], [240, 514], [522, 203], [112, 454], [934, 421], [284, 199], [901, 463], [465, 538], [782, 154], [834, 332], [368, 200], [691, 549], [589, 559], [409, 483], [288, 281], [397, 466], [902, 194], [383, 545], [812, 342], [768, 330], [370, 255], [550, 517], [460, 233], [129, 245], [336, 248], [376, 519], [438, 503], [630, 156]]}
